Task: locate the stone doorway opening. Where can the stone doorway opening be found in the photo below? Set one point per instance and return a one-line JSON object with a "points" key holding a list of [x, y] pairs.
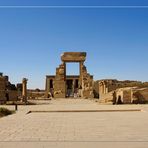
{"points": [[72, 87], [72, 68], [79, 85], [69, 84], [72, 76]]}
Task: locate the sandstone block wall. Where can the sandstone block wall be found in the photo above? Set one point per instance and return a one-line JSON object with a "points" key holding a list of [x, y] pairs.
{"points": [[13, 95], [2, 88], [140, 95], [59, 83], [127, 96], [2, 95]]}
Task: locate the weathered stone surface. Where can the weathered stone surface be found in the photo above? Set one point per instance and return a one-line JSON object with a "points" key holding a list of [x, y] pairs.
{"points": [[126, 91], [75, 130], [73, 56], [13, 95], [140, 95], [2, 89], [8, 91]]}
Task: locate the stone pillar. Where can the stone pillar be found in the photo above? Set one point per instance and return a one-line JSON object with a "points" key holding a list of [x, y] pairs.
{"points": [[81, 74], [65, 78], [47, 87], [24, 90], [64, 71]]}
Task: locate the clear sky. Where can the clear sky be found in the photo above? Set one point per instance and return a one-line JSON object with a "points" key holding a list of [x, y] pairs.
{"points": [[32, 39]]}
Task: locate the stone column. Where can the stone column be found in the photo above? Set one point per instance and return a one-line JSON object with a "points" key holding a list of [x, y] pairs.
{"points": [[24, 90]]}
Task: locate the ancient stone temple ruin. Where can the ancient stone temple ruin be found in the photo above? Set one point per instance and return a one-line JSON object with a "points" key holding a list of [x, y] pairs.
{"points": [[62, 85], [112, 91]]}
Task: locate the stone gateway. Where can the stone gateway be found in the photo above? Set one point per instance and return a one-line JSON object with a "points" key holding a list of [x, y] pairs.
{"points": [[61, 85]]}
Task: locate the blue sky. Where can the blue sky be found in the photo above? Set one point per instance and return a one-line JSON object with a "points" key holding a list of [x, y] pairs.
{"points": [[32, 39]]}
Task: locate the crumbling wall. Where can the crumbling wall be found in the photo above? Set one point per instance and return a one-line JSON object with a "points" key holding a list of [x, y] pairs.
{"points": [[87, 83], [140, 95], [8, 91], [96, 89], [107, 98], [59, 83], [127, 96], [124, 95], [2, 89], [13, 95], [2, 97], [119, 96]]}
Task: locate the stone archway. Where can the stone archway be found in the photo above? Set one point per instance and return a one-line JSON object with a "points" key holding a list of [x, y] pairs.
{"points": [[85, 84]]}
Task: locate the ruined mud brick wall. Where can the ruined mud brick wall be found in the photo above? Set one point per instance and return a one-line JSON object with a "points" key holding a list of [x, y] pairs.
{"points": [[2, 88], [12, 91], [2, 96], [13, 95], [7, 87], [140, 95], [2, 83]]}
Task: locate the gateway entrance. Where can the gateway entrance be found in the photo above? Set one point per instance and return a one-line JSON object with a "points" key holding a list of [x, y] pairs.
{"points": [[70, 86]]}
